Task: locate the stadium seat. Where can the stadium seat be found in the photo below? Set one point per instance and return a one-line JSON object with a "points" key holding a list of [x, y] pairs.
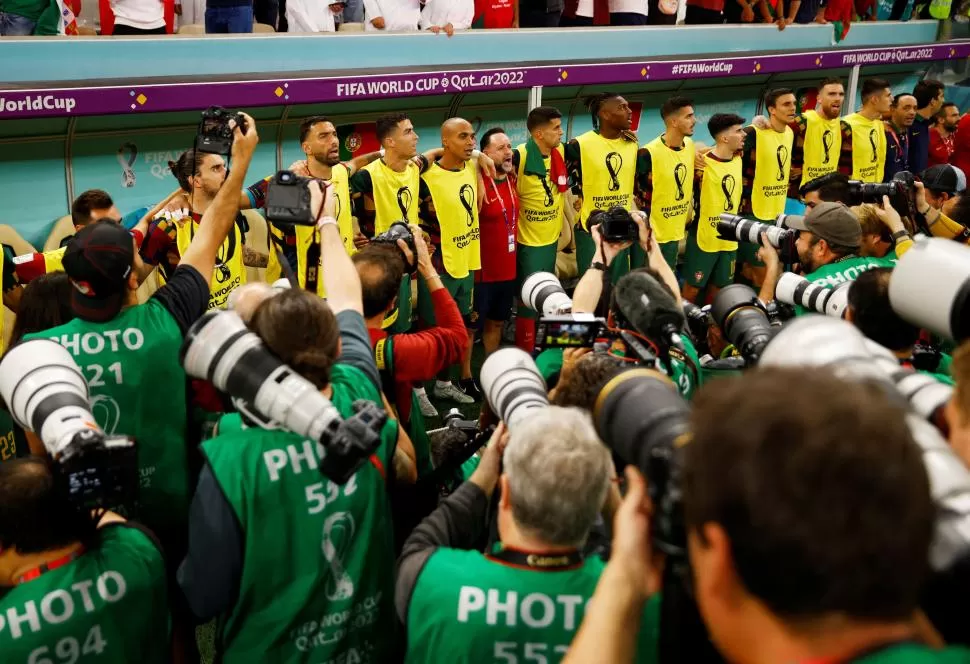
{"points": [[263, 27], [63, 227], [192, 29], [351, 27]]}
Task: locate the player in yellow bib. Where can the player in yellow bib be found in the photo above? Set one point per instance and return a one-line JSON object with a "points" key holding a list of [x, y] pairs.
{"points": [[665, 179], [602, 168], [766, 172], [823, 141], [541, 182], [869, 132], [449, 214], [710, 260]]}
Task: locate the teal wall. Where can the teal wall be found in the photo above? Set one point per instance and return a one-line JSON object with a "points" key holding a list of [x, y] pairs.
{"points": [[32, 153]]}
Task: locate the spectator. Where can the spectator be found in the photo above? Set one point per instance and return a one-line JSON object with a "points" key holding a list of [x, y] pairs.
{"points": [[392, 15], [739, 11], [353, 12], [22, 18], [457, 603], [899, 135], [106, 577], [662, 12], [832, 188], [628, 12], [138, 17], [540, 13], [809, 11], [497, 14], [268, 12], [942, 134], [929, 101], [585, 13], [228, 16], [311, 16], [447, 16], [706, 12]]}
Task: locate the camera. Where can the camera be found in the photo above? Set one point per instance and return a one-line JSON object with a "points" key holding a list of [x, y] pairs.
{"points": [[288, 200], [399, 230], [512, 385], [698, 325], [220, 348], [543, 293], [616, 225], [569, 331], [797, 290], [214, 135], [930, 287], [46, 392], [899, 190], [744, 320], [739, 229], [822, 341]]}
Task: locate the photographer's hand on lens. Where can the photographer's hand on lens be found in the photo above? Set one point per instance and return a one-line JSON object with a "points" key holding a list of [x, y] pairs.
{"points": [[244, 144], [889, 216], [606, 251], [644, 231], [632, 553], [424, 255], [768, 255], [323, 200], [490, 467]]}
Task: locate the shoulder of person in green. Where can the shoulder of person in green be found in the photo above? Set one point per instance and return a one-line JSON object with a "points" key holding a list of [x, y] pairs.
{"points": [[549, 363]]}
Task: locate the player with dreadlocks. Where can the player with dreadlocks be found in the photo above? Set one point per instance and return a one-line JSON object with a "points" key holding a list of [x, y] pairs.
{"points": [[602, 165]]}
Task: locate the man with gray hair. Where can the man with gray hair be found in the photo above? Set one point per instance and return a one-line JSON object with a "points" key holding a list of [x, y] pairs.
{"points": [[524, 599]]}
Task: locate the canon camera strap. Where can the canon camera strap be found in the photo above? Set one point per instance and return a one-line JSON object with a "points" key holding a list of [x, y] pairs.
{"points": [[537, 560]]}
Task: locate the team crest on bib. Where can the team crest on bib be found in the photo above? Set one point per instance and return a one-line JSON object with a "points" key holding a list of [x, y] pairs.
{"points": [[353, 142], [698, 275]]}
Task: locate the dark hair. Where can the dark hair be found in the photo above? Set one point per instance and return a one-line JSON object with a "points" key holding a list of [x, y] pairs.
{"points": [[381, 268], [941, 114], [673, 105], [873, 314], [541, 115], [926, 91], [310, 347], [831, 80], [960, 212], [487, 137], [92, 199], [580, 387], [387, 123], [722, 121], [827, 505], [771, 99], [187, 166], [45, 303], [35, 513], [873, 86], [896, 99], [831, 188], [595, 102], [307, 125]]}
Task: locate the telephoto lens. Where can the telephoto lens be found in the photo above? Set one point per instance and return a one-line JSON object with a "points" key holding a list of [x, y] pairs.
{"points": [[513, 385], [739, 229], [930, 287], [797, 290], [543, 293], [221, 349], [743, 320], [642, 418]]}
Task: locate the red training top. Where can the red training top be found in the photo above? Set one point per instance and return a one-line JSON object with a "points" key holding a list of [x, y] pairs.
{"points": [[496, 14], [498, 263]]}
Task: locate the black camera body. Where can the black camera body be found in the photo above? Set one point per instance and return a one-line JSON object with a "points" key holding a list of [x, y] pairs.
{"points": [[587, 331], [743, 320], [353, 441], [899, 190], [99, 472], [288, 200], [399, 230], [215, 135], [616, 225]]}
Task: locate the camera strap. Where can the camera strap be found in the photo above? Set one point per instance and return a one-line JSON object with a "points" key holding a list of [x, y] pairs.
{"points": [[35, 572], [537, 560], [285, 264]]}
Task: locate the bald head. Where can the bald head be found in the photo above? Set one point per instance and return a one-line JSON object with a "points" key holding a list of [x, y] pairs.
{"points": [[458, 139]]}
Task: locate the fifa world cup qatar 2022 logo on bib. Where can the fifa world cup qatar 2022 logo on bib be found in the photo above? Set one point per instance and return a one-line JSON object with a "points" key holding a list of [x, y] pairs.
{"points": [[404, 198], [614, 163], [680, 177], [466, 196], [827, 139]]}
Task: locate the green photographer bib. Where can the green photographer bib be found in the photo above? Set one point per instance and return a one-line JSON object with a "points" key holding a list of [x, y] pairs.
{"points": [[848, 269], [915, 653], [468, 607], [317, 583], [107, 605], [137, 389]]}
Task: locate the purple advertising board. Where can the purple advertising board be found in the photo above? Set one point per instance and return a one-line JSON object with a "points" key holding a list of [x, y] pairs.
{"points": [[134, 98]]}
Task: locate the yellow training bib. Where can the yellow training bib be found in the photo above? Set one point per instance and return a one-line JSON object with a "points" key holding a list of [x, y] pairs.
{"points": [[454, 195], [608, 170], [720, 194], [395, 194], [822, 146], [229, 272], [868, 148], [772, 172], [540, 205], [53, 260], [673, 188]]}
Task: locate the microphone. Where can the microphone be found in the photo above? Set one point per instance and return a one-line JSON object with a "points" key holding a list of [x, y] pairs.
{"points": [[652, 311]]}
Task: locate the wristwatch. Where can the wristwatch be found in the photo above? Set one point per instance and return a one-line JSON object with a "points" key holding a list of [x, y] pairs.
{"points": [[599, 265], [900, 235]]}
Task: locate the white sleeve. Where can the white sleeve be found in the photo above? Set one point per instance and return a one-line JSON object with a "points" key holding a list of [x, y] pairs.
{"points": [[372, 10], [463, 14], [299, 18]]}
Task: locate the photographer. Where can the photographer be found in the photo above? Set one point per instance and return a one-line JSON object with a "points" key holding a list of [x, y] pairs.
{"points": [[262, 486], [782, 572], [407, 359], [831, 188], [877, 235], [950, 226], [828, 248], [526, 598], [943, 185], [75, 585], [112, 336], [869, 310]]}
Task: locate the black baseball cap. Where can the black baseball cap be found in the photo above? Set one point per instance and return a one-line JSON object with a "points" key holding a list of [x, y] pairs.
{"points": [[98, 261], [944, 178]]}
